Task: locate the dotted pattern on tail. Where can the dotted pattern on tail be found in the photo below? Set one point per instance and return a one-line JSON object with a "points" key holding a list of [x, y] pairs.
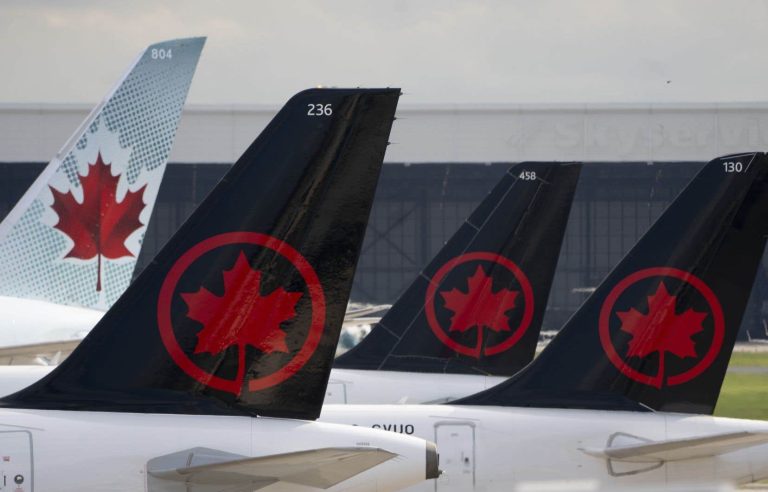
{"points": [[134, 131]]}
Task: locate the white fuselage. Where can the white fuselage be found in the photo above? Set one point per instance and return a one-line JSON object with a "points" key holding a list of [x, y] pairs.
{"points": [[98, 451], [352, 386], [502, 448], [507, 449], [32, 322], [348, 386]]}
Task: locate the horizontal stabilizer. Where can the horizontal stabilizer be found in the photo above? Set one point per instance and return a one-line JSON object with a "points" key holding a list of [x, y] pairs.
{"points": [[205, 469], [680, 449]]}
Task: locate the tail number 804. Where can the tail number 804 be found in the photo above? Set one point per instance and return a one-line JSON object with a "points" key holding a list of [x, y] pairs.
{"points": [[161, 54]]}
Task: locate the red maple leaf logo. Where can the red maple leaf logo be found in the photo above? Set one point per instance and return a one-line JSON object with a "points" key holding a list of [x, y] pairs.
{"points": [[661, 329], [100, 225], [479, 307], [242, 316]]}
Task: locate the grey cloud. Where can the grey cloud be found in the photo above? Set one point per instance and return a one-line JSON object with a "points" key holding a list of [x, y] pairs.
{"points": [[439, 51]]}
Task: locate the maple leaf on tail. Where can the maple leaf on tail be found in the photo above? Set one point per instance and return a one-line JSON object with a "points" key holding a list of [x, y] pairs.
{"points": [[480, 306], [242, 315], [661, 329], [100, 225]]}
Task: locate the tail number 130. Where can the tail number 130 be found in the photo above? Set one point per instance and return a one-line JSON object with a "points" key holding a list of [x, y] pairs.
{"points": [[733, 167]]}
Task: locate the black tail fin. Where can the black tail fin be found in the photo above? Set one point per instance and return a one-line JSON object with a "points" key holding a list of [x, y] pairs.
{"points": [[658, 332], [241, 311], [477, 308]]}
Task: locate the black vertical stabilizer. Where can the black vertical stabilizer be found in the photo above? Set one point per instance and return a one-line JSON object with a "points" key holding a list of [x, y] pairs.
{"points": [[241, 311], [659, 330], [477, 308]]}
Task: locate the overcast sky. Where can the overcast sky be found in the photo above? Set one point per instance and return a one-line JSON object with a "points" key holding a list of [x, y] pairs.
{"points": [[439, 51]]}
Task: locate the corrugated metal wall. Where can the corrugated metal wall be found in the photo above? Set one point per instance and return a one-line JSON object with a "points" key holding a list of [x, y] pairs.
{"points": [[418, 207]]}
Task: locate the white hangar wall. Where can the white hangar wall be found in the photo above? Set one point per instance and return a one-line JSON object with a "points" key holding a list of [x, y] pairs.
{"points": [[418, 207], [507, 133]]}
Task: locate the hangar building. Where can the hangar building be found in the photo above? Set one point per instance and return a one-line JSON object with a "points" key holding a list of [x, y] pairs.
{"points": [[443, 161]]}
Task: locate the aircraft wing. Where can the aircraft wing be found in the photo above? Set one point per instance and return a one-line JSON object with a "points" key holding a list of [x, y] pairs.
{"points": [[207, 469], [680, 449], [35, 353], [363, 320], [356, 312], [46, 353]]}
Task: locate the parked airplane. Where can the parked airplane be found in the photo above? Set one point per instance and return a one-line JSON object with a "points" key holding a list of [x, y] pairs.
{"points": [[237, 317], [522, 220], [66, 253], [622, 397], [473, 315], [69, 247]]}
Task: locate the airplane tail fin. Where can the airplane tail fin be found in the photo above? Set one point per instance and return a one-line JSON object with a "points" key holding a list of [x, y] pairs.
{"points": [[659, 330], [477, 308], [74, 236], [240, 312]]}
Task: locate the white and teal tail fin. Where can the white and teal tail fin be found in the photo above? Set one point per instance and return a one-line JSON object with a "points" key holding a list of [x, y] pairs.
{"points": [[75, 235]]}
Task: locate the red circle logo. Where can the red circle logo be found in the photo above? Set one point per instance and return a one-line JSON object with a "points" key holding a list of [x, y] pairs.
{"points": [[243, 315], [475, 303], [665, 327]]}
